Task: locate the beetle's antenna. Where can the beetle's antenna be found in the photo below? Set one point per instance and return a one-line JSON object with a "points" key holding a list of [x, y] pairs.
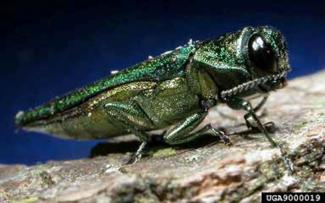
{"points": [[251, 85]]}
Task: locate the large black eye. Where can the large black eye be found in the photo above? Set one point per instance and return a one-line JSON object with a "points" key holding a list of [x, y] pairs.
{"points": [[261, 54]]}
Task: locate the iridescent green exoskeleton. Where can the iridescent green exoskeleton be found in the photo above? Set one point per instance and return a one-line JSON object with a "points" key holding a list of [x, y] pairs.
{"points": [[173, 91]]}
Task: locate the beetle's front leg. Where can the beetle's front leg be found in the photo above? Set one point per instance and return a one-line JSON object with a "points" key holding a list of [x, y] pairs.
{"points": [[259, 105], [181, 133], [251, 123], [134, 120], [238, 103], [251, 119]]}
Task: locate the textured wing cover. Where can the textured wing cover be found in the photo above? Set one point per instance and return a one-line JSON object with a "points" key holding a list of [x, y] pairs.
{"points": [[160, 68]]}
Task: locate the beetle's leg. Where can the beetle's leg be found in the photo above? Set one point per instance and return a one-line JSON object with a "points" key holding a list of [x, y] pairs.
{"points": [[220, 133], [181, 133], [261, 103], [256, 108], [238, 103], [252, 124], [134, 120]]}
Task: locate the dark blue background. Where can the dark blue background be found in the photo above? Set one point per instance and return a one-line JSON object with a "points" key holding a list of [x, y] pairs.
{"points": [[47, 49]]}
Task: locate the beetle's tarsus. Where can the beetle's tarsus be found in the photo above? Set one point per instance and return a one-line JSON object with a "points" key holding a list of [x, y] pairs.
{"points": [[138, 154], [222, 135], [270, 127], [288, 164], [286, 160]]}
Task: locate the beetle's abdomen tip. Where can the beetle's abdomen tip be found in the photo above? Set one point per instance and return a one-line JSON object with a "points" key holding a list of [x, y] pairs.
{"points": [[19, 118]]}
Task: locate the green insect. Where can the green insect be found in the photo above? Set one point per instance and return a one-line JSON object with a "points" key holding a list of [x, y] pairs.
{"points": [[173, 91]]}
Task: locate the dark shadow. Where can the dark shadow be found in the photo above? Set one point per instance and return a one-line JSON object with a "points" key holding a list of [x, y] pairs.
{"points": [[105, 148]]}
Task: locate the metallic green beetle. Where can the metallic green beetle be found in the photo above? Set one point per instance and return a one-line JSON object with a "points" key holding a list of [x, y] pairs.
{"points": [[172, 91]]}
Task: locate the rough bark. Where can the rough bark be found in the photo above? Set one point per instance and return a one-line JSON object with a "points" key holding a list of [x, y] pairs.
{"points": [[202, 171]]}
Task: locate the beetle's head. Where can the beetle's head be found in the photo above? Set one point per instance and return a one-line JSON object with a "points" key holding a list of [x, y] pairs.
{"points": [[257, 55], [264, 51]]}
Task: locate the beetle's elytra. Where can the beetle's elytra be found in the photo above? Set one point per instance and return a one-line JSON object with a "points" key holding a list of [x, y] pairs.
{"points": [[173, 91]]}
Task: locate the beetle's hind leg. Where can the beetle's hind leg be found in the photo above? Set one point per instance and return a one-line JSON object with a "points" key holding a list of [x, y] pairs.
{"points": [[182, 132], [134, 120], [221, 133]]}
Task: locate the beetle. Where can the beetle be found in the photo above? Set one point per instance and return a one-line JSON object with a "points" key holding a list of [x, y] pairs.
{"points": [[173, 91]]}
